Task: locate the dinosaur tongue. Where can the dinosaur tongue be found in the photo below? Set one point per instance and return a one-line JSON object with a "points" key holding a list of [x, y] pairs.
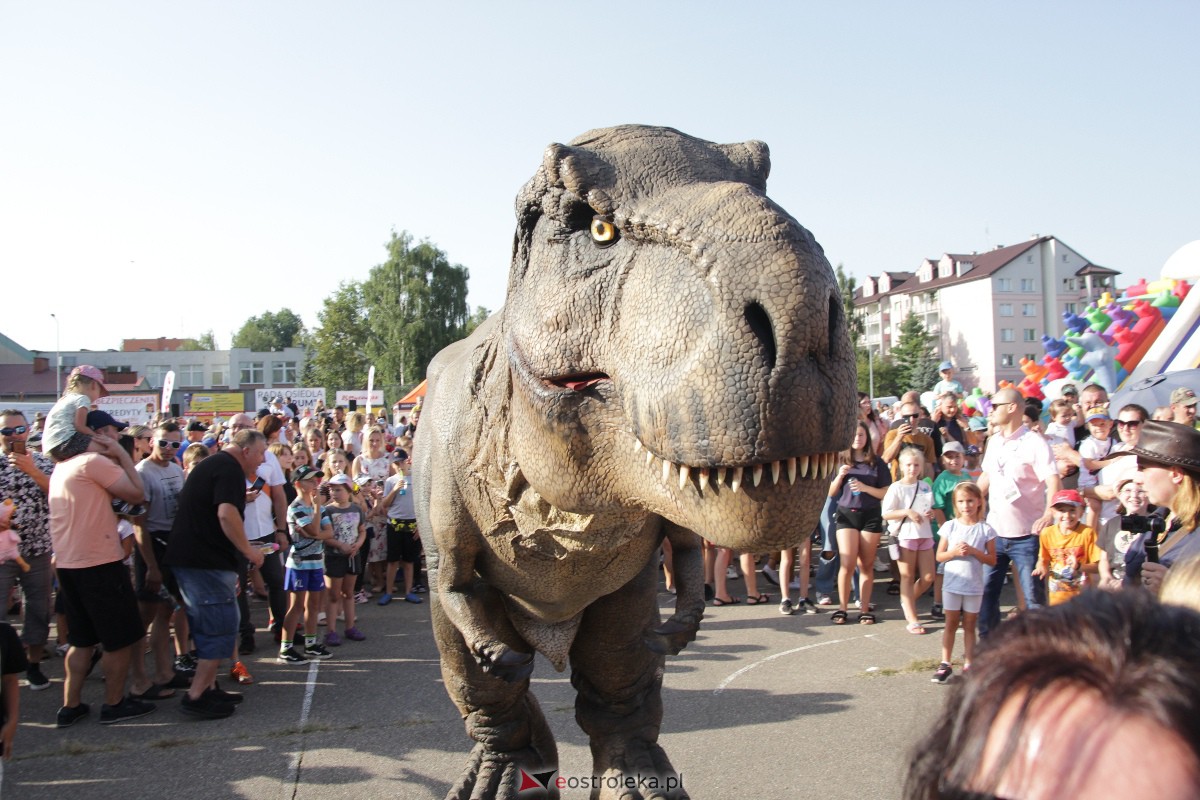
{"points": [[580, 385], [577, 383]]}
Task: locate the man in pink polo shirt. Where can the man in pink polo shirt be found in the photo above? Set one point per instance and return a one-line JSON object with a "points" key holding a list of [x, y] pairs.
{"points": [[97, 594], [1020, 480]]}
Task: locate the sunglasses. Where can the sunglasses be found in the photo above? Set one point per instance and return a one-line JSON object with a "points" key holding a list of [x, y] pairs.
{"points": [[1129, 423], [17, 431], [173, 445]]}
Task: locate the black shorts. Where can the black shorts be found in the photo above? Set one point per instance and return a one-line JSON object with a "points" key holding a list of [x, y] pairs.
{"points": [[402, 543], [100, 606], [339, 565], [158, 542], [869, 520]]}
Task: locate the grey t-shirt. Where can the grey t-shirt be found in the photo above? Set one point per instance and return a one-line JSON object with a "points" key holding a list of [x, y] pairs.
{"points": [[402, 504], [162, 484]]}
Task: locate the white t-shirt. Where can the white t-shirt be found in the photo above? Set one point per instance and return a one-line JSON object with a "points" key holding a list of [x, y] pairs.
{"points": [[965, 575], [901, 496], [260, 517], [1054, 432], [1096, 450], [60, 422]]}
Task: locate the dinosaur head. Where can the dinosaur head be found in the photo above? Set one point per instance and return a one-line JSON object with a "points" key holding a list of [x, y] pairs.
{"points": [[676, 339]]}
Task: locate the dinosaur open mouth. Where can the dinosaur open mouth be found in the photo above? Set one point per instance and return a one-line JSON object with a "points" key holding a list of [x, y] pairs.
{"points": [[577, 383], [816, 466]]}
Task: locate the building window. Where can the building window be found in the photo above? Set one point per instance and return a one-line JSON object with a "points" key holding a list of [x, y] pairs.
{"points": [[1006, 360], [191, 375], [1030, 335], [1069, 308], [1027, 285], [252, 372], [1032, 356], [1006, 334], [1069, 284], [218, 377], [1006, 309], [156, 374], [283, 371], [1028, 310], [1003, 284]]}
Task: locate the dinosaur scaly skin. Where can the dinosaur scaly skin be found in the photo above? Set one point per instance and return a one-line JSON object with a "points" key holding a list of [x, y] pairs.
{"points": [[672, 361]]}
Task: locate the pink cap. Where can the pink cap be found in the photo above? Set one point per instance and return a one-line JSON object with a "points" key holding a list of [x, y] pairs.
{"points": [[88, 371], [1068, 497]]}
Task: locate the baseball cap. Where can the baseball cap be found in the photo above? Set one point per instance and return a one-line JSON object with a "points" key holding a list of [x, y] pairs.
{"points": [[977, 424], [306, 472], [339, 480], [1098, 412], [277, 399], [972, 450], [952, 447], [1069, 388], [196, 425], [945, 365], [1183, 396], [1068, 497], [88, 371], [102, 419], [209, 442]]}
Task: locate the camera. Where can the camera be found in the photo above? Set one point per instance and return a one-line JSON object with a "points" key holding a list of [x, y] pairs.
{"points": [[1152, 524]]}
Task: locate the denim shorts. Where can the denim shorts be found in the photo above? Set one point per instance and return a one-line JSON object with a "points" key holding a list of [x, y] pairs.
{"points": [[210, 596]]}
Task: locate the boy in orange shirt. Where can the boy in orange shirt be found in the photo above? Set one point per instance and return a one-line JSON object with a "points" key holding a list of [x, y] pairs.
{"points": [[1068, 549]]}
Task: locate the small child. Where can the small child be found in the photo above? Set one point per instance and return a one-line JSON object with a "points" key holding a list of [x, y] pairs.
{"points": [[67, 433], [968, 543], [1094, 453], [953, 456], [908, 505], [1068, 549], [1113, 539], [309, 528], [343, 559], [947, 383], [1061, 427]]}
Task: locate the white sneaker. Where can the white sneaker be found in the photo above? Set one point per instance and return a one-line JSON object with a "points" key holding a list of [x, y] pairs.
{"points": [[731, 574], [770, 575]]}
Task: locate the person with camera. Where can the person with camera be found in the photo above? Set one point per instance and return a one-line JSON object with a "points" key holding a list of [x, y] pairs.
{"points": [[1168, 457]]}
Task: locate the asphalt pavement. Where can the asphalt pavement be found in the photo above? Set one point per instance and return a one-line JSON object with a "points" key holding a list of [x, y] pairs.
{"points": [[760, 705]]}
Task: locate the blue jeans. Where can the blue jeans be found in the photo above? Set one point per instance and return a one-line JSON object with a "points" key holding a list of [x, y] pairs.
{"points": [[210, 598], [1022, 552]]}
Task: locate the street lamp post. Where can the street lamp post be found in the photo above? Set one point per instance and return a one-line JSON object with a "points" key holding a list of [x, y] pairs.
{"points": [[57, 358]]}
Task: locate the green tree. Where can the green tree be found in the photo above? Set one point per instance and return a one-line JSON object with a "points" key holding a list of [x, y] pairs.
{"points": [[884, 371], [334, 355], [206, 342], [270, 331], [478, 318], [854, 323], [913, 355], [416, 304]]}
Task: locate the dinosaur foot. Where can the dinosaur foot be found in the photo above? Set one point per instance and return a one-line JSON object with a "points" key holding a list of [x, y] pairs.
{"points": [[672, 636], [490, 775], [639, 771]]}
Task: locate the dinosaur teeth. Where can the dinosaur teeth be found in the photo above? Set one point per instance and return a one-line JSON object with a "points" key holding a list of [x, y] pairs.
{"points": [[637, 445], [804, 467], [814, 466], [683, 475], [649, 458], [735, 482], [775, 467], [720, 476], [666, 470], [756, 474], [792, 471], [703, 480]]}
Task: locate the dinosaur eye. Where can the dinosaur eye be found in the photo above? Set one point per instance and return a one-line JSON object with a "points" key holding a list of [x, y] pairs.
{"points": [[603, 230]]}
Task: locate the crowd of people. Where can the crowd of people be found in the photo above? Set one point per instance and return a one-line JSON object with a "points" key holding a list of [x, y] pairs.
{"points": [[1058, 499], [150, 539]]}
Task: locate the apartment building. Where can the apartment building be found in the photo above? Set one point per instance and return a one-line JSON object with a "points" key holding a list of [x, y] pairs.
{"points": [[986, 311]]}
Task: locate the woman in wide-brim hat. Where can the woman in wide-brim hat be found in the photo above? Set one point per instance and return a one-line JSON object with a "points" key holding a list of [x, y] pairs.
{"points": [[1168, 456]]}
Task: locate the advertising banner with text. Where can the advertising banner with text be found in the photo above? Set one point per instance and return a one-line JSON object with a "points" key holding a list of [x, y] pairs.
{"points": [[305, 398], [132, 409], [360, 396], [218, 403]]}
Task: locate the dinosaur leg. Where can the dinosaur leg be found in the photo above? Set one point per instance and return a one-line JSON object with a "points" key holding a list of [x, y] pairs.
{"points": [[619, 702], [502, 717]]}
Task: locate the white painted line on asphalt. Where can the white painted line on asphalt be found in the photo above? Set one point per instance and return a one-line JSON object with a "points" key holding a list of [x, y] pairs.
{"points": [[721, 686], [293, 773]]}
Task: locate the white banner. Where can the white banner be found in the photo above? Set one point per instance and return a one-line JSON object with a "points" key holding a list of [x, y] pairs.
{"points": [[168, 388], [132, 409], [360, 397], [305, 398], [371, 390]]}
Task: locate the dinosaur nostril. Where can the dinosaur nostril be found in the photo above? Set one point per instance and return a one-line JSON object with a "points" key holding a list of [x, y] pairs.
{"points": [[835, 316], [763, 330]]}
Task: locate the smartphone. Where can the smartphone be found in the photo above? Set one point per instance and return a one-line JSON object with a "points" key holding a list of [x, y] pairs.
{"points": [[19, 447], [353, 404], [258, 484]]}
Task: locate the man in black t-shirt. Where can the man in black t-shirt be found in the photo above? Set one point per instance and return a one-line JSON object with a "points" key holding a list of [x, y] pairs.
{"points": [[207, 540]]}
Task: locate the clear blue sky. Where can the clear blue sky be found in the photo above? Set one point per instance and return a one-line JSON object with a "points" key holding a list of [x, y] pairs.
{"points": [[168, 168]]}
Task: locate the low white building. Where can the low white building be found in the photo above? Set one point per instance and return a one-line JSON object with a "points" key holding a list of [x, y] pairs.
{"points": [[986, 311]]}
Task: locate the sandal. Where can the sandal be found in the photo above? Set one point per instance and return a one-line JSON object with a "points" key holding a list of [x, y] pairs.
{"points": [[839, 617], [866, 618], [732, 601], [916, 628], [757, 601], [893, 589]]}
